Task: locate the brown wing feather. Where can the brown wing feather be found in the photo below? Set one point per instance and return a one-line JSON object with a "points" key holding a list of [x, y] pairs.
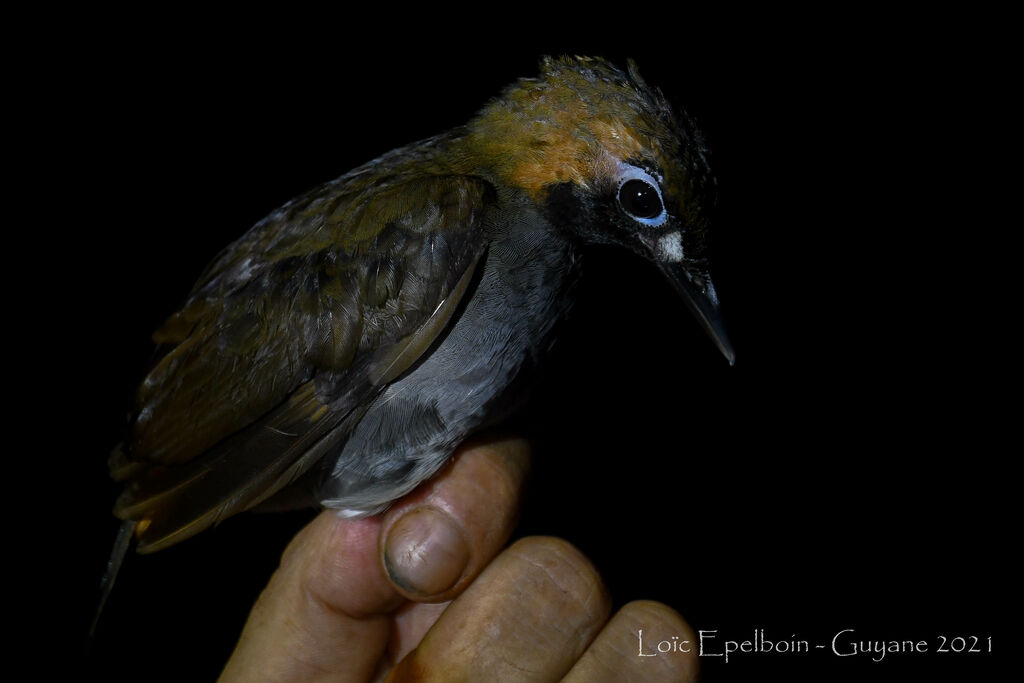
{"points": [[276, 349]]}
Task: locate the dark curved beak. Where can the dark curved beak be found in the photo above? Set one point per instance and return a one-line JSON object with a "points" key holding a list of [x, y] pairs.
{"points": [[699, 294]]}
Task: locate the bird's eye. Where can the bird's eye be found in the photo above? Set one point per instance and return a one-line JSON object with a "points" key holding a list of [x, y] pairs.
{"points": [[640, 199], [640, 196]]}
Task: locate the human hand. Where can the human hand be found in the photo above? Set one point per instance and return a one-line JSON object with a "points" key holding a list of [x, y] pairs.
{"points": [[421, 592]]}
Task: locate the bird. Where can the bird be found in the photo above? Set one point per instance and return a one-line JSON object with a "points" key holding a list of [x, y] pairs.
{"points": [[337, 353]]}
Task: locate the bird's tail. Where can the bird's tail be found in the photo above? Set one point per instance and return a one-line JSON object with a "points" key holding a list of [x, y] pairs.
{"points": [[121, 545]]}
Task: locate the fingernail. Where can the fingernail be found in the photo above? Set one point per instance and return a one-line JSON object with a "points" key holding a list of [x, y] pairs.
{"points": [[425, 552]]}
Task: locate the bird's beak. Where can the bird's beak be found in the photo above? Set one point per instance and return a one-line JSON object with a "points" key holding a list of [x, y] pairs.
{"points": [[699, 294]]}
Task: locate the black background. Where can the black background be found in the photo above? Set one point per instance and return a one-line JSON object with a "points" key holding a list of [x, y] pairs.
{"points": [[848, 472]]}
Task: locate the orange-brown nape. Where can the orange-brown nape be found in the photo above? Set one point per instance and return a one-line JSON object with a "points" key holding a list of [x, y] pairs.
{"points": [[573, 123]]}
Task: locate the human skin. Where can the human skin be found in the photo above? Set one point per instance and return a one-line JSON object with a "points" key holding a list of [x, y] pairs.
{"points": [[428, 591]]}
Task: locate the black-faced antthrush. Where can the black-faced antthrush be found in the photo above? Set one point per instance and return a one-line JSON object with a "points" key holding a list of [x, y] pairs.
{"points": [[339, 351]]}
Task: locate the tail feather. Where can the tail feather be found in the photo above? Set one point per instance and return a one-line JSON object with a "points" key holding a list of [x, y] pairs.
{"points": [[117, 554]]}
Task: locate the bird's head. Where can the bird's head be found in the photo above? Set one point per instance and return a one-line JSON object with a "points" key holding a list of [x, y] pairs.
{"points": [[610, 162]]}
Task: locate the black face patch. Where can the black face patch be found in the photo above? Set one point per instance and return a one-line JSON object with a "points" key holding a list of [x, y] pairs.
{"points": [[598, 220], [568, 209]]}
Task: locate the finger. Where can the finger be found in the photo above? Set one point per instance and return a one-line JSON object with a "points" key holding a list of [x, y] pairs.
{"points": [[412, 621], [438, 539], [627, 649], [529, 615], [325, 612], [327, 607]]}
